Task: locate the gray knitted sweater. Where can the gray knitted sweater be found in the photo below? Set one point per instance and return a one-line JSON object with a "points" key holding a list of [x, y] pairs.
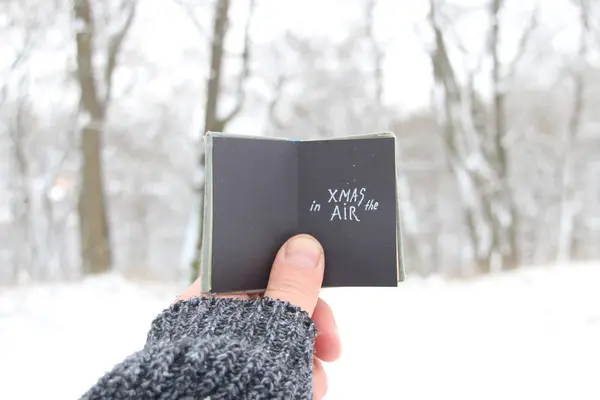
{"points": [[219, 349]]}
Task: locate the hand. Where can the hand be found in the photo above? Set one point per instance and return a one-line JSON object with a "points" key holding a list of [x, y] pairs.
{"points": [[296, 277]]}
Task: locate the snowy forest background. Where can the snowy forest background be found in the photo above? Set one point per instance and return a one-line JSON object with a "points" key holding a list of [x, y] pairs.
{"points": [[103, 105], [102, 109]]}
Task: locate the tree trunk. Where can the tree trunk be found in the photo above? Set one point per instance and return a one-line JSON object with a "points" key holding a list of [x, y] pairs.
{"points": [[26, 261], [474, 165], [569, 207], [213, 121], [221, 21], [501, 202], [95, 241], [96, 251]]}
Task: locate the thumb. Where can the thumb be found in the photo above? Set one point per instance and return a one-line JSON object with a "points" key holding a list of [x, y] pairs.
{"points": [[297, 273]]}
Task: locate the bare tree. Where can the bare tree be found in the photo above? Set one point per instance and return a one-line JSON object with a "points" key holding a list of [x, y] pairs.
{"points": [[57, 205], [461, 140], [381, 120], [505, 227], [20, 118], [215, 119], [25, 246], [569, 202], [478, 150], [95, 239]]}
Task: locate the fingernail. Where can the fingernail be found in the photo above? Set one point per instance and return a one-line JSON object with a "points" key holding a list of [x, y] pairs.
{"points": [[303, 252]]}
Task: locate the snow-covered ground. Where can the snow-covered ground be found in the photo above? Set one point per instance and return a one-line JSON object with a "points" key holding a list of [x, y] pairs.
{"points": [[530, 335]]}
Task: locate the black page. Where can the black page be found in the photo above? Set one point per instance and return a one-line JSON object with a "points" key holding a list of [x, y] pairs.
{"points": [[255, 204], [263, 192], [360, 245]]}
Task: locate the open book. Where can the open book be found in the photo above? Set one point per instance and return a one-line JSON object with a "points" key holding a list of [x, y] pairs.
{"points": [[261, 191]]}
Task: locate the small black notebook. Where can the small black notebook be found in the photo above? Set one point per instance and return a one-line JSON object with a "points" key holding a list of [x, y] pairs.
{"points": [[261, 191]]}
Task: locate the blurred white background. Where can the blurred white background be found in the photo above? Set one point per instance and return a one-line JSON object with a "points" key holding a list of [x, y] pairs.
{"points": [[102, 109]]}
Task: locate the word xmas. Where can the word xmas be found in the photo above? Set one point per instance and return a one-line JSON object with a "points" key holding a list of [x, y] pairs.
{"points": [[346, 202]]}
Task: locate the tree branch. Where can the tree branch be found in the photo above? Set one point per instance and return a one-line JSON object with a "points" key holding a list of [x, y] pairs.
{"points": [[499, 89], [85, 68], [524, 42], [114, 48], [579, 76], [275, 100], [192, 17], [377, 53], [245, 73], [21, 57]]}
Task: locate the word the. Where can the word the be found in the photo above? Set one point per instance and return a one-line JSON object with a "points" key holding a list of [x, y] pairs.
{"points": [[371, 205]]}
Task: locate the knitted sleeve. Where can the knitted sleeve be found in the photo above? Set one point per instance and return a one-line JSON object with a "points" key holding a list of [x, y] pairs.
{"points": [[219, 348]]}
